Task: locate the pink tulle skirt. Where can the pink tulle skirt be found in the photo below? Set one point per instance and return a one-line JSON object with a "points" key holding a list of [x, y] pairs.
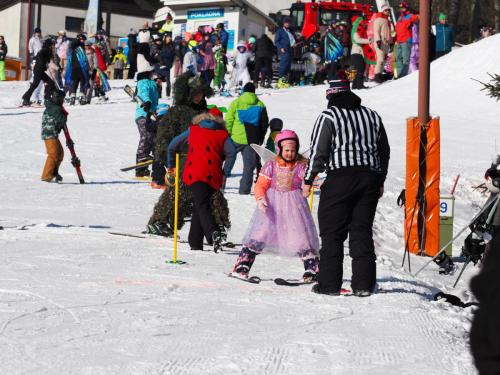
{"points": [[286, 228]]}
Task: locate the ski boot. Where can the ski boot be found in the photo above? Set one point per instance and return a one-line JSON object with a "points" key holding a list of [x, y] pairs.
{"points": [[218, 237], [160, 229], [72, 100], [243, 264], [361, 293], [446, 265], [57, 176], [26, 103], [82, 100], [282, 83], [309, 277]]}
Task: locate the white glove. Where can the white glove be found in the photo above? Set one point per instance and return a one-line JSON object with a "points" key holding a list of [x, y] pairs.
{"points": [[262, 205]]}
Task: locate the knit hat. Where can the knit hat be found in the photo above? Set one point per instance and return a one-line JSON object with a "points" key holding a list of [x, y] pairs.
{"points": [[442, 16], [337, 85], [249, 87]]}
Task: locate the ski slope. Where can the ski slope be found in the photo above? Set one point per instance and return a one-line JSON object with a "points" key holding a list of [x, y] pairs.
{"points": [[76, 300]]}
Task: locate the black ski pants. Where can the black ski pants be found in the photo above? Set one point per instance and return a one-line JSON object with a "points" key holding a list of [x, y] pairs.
{"points": [[358, 62], [331, 69], [203, 223], [348, 202], [37, 78], [266, 64]]}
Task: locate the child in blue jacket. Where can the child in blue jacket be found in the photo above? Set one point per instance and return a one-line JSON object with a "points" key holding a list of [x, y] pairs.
{"points": [[148, 94]]}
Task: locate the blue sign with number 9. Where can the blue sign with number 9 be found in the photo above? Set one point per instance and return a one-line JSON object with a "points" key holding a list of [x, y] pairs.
{"points": [[443, 207]]}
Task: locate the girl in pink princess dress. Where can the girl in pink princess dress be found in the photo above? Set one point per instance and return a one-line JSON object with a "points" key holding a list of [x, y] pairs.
{"points": [[282, 222]]}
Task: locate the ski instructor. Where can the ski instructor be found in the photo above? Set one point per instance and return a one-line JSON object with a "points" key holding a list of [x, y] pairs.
{"points": [[350, 143]]}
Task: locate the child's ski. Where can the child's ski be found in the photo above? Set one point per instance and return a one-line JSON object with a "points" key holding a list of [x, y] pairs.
{"points": [[126, 235], [251, 279], [75, 161], [283, 282], [138, 165]]}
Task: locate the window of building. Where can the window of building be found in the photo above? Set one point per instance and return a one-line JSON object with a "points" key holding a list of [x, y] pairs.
{"points": [[74, 24]]}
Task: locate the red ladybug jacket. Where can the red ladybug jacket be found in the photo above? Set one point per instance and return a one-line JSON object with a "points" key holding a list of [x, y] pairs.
{"points": [[209, 147]]}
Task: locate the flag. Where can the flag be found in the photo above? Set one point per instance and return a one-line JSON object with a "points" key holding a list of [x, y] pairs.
{"points": [[90, 26]]}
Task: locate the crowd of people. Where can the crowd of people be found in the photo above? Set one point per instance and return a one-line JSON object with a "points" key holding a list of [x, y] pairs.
{"points": [[82, 63], [374, 49]]}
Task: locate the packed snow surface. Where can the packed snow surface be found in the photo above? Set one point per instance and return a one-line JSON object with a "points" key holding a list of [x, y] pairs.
{"points": [[75, 299]]}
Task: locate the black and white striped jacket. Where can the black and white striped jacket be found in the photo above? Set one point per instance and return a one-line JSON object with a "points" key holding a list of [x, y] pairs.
{"points": [[348, 138]]}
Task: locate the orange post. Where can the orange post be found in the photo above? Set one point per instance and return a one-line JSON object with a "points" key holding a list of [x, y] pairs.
{"points": [[422, 187]]}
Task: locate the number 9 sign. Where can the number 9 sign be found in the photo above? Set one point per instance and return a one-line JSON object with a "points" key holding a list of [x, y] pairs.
{"points": [[446, 207]]}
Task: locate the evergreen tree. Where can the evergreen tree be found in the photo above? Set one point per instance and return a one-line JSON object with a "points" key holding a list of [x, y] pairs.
{"points": [[493, 87]]}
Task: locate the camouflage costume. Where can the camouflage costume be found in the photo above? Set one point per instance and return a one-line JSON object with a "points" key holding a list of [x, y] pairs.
{"points": [[176, 121], [53, 120]]}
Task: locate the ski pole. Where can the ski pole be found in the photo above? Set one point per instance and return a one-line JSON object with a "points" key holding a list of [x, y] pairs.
{"points": [[486, 206], [74, 159], [311, 199], [176, 206], [455, 185]]}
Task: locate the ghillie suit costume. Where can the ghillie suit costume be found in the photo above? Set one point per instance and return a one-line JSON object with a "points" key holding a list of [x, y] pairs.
{"points": [[177, 120]]}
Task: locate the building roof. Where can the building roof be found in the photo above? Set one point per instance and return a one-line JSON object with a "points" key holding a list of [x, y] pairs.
{"points": [[188, 4], [139, 8]]}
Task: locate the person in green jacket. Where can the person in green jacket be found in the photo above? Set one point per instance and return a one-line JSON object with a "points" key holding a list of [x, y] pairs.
{"points": [[247, 123]]}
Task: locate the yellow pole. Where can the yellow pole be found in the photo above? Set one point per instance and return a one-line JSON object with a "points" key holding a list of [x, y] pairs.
{"points": [[176, 205], [311, 198]]}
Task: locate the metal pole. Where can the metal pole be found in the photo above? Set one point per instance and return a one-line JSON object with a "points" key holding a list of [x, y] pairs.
{"points": [[424, 64], [28, 28], [176, 206]]}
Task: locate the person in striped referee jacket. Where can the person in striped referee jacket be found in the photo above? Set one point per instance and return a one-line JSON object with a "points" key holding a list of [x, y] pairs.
{"points": [[349, 142]]}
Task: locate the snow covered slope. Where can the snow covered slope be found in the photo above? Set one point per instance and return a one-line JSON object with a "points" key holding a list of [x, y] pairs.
{"points": [[75, 299]]}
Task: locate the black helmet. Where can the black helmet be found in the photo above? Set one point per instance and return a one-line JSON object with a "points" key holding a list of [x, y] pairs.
{"points": [[81, 36], [37, 30], [49, 42]]}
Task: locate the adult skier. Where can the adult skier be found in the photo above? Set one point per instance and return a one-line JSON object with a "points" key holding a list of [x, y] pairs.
{"points": [[284, 41], [404, 38], [77, 70], [35, 45], [247, 122], [356, 172]]}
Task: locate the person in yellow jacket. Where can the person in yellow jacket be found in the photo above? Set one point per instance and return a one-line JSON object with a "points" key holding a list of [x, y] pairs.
{"points": [[120, 61], [168, 26]]}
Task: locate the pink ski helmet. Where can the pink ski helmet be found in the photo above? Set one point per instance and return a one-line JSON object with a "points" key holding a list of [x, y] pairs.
{"points": [[285, 135]]}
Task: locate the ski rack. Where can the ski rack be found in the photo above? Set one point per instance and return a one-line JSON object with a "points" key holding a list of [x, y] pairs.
{"points": [[494, 201]]}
